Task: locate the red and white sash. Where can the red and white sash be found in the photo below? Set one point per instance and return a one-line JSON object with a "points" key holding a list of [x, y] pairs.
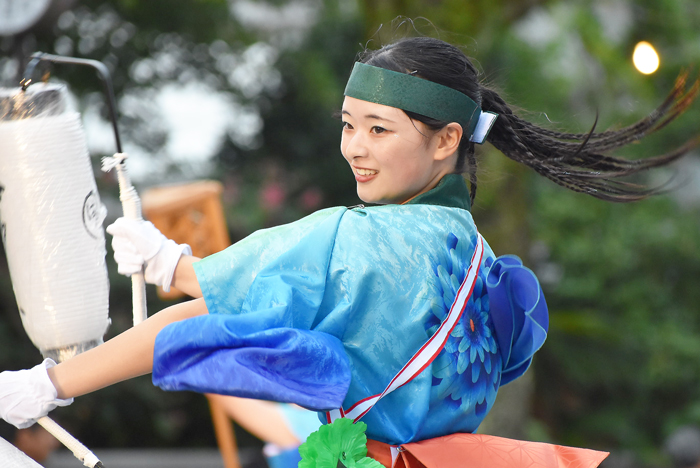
{"points": [[429, 351]]}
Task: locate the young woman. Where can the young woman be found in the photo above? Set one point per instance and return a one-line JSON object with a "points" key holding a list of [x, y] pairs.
{"points": [[399, 314]]}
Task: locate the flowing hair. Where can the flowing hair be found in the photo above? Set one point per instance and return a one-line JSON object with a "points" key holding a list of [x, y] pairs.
{"points": [[576, 161]]}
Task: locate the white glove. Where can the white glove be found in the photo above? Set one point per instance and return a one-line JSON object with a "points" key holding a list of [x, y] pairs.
{"points": [[138, 242], [28, 395]]}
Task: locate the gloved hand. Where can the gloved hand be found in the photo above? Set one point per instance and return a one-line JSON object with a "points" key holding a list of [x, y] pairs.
{"points": [[138, 242], [28, 395]]}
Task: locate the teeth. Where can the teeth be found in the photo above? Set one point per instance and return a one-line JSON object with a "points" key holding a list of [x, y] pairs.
{"points": [[366, 172]]}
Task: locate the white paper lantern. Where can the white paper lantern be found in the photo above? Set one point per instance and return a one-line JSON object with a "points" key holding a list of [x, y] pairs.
{"points": [[51, 218]]}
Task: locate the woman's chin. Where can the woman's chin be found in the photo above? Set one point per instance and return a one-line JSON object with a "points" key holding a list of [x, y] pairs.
{"points": [[364, 196], [369, 197], [374, 200]]}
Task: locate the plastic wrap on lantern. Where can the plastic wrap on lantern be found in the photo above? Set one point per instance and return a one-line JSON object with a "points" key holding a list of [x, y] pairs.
{"points": [[51, 218], [12, 457]]}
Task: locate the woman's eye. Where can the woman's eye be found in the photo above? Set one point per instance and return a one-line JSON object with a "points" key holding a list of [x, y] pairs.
{"points": [[378, 129], [346, 125]]}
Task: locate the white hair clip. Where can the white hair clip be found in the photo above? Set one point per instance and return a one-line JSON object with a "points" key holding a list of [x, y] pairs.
{"points": [[483, 127]]}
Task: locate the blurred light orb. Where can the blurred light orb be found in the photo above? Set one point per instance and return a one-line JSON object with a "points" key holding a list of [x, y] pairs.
{"points": [[645, 58]]}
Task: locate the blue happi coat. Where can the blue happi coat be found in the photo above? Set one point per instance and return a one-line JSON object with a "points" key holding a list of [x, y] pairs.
{"points": [[326, 310]]}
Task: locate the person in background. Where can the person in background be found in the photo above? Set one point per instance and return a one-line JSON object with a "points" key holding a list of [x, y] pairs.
{"points": [[281, 426], [34, 441], [683, 446]]}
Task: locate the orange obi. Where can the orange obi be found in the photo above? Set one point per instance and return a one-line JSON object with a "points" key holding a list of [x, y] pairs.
{"points": [[483, 451]]}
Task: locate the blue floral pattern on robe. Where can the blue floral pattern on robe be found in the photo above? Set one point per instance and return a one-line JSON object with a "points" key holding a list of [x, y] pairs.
{"points": [[467, 372]]}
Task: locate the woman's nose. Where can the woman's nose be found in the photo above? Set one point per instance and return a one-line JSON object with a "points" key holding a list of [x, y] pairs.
{"points": [[356, 146]]}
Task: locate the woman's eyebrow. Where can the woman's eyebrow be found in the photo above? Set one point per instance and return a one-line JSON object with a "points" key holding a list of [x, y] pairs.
{"points": [[377, 117], [370, 116]]}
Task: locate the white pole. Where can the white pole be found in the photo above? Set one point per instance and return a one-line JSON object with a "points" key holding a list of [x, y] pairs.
{"points": [[80, 451], [131, 206]]}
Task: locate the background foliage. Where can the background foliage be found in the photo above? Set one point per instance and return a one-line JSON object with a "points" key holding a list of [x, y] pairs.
{"points": [[619, 370]]}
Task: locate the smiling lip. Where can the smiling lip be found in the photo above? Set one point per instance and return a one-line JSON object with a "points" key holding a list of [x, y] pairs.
{"points": [[368, 175]]}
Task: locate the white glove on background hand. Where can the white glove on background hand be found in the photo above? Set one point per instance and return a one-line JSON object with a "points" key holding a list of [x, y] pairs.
{"points": [[138, 242], [28, 395]]}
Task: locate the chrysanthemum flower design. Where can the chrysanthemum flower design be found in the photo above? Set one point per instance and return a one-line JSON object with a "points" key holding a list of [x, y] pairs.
{"points": [[468, 370]]}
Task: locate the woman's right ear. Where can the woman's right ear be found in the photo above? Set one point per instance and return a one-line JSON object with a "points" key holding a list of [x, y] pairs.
{"points": [[448, 140]]}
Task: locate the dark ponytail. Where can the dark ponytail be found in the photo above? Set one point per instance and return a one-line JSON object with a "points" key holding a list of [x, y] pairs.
{"points": [[576, 161]]}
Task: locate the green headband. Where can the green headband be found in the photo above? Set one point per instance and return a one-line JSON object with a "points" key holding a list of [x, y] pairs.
{"points": [[414, 94]]}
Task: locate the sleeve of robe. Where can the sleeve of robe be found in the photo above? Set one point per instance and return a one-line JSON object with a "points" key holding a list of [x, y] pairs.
{"points": [[519, 312], [263, 294]]}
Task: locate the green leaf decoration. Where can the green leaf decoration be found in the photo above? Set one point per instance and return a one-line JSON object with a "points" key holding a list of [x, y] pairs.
{"points": [[368, 463], [341, 443]]}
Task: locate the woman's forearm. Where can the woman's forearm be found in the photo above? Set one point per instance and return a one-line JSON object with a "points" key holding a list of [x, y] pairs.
{"points": [[261, 418], [125, 356], [184, 277]]}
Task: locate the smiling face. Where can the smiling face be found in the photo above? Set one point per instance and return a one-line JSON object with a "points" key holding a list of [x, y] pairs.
{"points": [[393, 157]]}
